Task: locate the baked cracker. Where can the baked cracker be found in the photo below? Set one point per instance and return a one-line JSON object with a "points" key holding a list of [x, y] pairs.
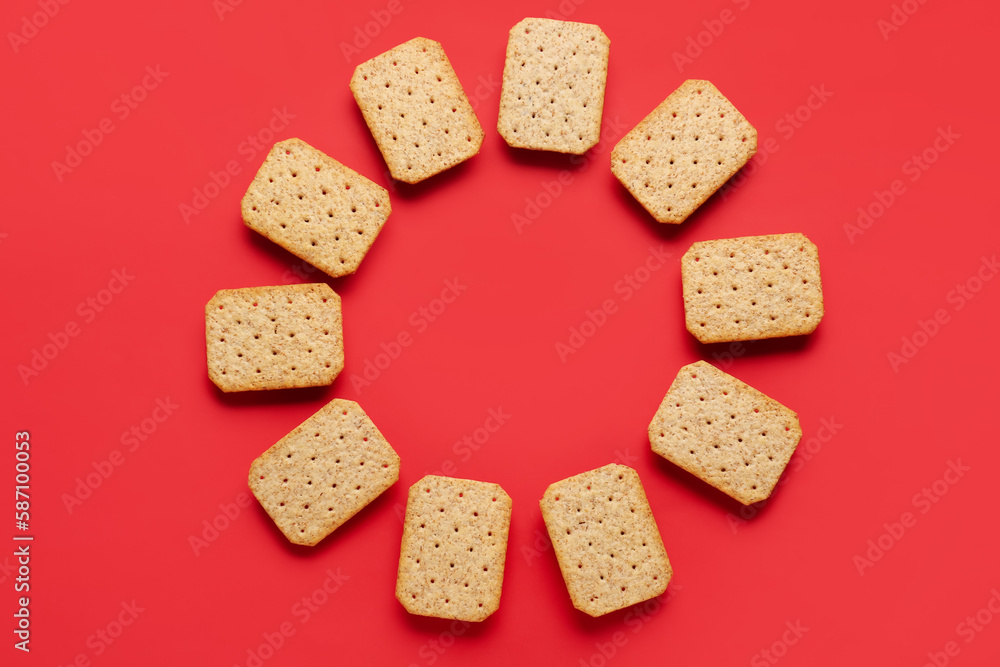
{"points": [[605, 539], [315, 208], [416, 110], [451, 562], [274, 337], [554, 78], [752, 287], [724, 432], [683, 151], [323, 472]]}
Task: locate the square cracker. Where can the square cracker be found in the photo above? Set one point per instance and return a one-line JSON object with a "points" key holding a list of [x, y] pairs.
{"points": [[416, 110], [323, 472], [724, 432], [606, 540], [683, 151], [451, 562], [315, 208], [752, 287], [553, 85], [274, 337]]}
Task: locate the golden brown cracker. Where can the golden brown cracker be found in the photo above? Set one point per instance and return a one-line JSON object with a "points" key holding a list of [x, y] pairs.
{"points": [[315, 208], [454, 546], [724, 432], [554, 78], [752, 287], [683, 151], [275, 337], [323, 472], [416, 110], [605, 539]]}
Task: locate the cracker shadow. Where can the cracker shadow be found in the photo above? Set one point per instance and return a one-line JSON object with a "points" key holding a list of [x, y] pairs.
{"points": [[271, 396], [527, 157], [443, 179], [615, 620], [435, 627], [583, 621], [708, 493], [343, 532], [723, 355], [667, 231], [298, 270], [398, 188]]}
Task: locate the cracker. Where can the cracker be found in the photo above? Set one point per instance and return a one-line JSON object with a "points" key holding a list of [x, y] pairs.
{"points": [[315, 208], [454, 545], [274, 337], [416, 110], [752, 287], [606, 540], [724, 432], [553, 85], [323, 472], [683, 151]]}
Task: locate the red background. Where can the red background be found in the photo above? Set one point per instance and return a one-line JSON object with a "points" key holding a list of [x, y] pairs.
{"points": [[736, 584]]}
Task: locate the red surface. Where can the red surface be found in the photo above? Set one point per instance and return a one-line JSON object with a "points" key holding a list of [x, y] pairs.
{"points": [[738, 585]]}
